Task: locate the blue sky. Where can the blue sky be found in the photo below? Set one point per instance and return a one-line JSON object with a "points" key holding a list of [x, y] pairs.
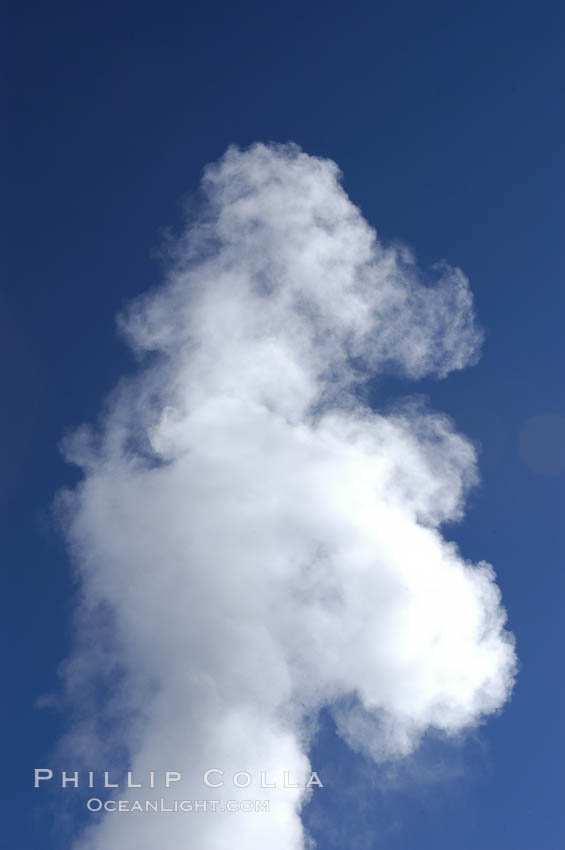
{"points": [[446, 121]]}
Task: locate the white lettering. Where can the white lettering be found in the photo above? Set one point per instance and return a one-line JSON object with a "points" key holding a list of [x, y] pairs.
{"points": [[207, 780], [48, 774]]}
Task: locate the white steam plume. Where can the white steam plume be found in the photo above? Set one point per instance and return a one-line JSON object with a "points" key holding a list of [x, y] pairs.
{"points": [[253, 542]]}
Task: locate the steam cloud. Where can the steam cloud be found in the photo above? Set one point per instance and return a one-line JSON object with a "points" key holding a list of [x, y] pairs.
{"points": [[253, 541]]}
